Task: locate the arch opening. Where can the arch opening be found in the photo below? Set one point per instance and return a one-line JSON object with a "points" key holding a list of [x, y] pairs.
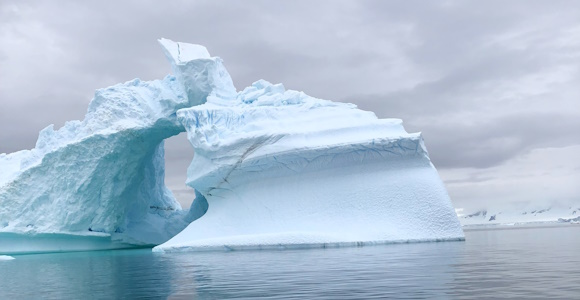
{"points": [[178, 156]]}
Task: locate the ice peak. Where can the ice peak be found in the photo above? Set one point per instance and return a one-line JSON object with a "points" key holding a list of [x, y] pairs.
{"points": [[180, 53], [188, 61]]}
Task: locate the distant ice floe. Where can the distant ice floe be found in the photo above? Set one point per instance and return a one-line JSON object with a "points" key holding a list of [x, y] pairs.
{"points": [[557, 213]]}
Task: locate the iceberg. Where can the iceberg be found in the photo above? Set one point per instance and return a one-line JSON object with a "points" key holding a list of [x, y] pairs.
{"points": [[272, 168]]}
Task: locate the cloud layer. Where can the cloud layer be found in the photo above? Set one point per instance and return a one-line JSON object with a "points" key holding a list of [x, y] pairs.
{"points": [[489, 83]]}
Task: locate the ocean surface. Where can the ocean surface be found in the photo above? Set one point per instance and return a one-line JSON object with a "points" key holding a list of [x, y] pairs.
{"points": [[509, 262]]}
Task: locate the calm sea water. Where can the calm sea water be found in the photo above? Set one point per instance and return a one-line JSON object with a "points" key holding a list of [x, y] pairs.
{"points": [[519, 263]]}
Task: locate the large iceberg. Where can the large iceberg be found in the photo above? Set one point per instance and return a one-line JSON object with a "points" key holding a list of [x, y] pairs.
{"points": [[272, 168]]}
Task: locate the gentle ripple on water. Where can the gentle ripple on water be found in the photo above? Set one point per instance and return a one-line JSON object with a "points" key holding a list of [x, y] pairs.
{"points": [[519, 263]]}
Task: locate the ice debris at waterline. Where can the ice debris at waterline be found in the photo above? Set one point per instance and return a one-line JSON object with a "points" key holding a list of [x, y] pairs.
{"points": [[272, 167]]}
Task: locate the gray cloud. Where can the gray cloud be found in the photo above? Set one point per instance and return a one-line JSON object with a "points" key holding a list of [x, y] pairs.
{"points": [[485, 81], [483, 140], [540, 178], [489, 144]]}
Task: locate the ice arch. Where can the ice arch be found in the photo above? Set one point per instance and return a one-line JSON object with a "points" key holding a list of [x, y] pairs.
{"points": [[273, 168], [99, 183]]}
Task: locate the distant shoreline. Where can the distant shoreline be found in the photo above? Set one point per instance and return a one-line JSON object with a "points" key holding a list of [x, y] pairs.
{"points": [[521, 225]]}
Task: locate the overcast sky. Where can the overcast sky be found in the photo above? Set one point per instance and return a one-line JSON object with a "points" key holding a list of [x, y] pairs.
{"points": [[493, 85]]}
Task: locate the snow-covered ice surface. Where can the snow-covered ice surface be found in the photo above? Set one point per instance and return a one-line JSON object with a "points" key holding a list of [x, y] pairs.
{"points": [[272, 168]]}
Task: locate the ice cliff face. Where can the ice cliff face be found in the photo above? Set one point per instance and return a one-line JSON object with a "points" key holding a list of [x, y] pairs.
{"points": [[272, 168]]}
